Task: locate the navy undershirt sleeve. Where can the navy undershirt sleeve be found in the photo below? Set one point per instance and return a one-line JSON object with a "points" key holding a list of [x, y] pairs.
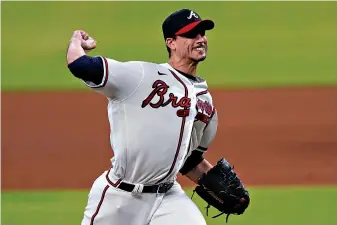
{"points": [[192, 161], [88, 68]]}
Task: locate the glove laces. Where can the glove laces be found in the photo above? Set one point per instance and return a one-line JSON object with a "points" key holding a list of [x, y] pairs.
{"points": [[208, 206]]}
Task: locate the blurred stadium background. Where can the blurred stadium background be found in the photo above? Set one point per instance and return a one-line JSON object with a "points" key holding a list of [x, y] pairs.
{"points": [[52, 152]]}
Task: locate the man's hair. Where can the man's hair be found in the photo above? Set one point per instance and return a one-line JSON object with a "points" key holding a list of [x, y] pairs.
{"points": [[167, 47], [169, 51]]}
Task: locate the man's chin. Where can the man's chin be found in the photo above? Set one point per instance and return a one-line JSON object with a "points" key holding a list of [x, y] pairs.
{"points": [[199, 59]]}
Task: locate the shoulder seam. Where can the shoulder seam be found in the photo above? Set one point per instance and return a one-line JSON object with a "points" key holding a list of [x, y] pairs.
{"points": [[141, 80]]}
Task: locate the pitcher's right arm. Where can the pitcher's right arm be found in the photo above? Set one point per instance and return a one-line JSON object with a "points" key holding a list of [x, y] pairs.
{"points": [[114, 79]]}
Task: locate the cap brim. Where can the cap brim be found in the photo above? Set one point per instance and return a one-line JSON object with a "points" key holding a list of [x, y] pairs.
{"points": [[201, 24]]}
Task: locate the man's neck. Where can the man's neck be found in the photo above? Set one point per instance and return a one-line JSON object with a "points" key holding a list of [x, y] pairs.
{"points": [[183, 66]]}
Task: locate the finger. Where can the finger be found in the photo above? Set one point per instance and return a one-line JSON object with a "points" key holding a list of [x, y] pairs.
{"points": [[92, 43], [77, 34], [88, 44], [84, 35]]}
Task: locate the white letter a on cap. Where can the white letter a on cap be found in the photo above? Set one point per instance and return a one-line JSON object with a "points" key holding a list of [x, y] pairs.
{"points": [[192, 14]]}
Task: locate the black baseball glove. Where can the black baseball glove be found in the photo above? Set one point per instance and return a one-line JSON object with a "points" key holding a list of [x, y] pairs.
{"points": [[221, 188]]}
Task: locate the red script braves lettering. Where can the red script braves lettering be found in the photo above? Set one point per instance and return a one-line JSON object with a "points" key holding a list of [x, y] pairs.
{"points": [[160, 89]]}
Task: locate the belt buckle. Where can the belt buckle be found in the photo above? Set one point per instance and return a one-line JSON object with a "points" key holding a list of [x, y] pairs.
{"points": [[163, 187]]}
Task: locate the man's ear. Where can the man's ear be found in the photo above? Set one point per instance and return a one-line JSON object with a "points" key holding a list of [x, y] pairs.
{"points": [[170, 42]]}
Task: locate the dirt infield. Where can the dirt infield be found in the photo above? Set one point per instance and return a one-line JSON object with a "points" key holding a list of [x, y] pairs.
{"points": [[273, 137]]}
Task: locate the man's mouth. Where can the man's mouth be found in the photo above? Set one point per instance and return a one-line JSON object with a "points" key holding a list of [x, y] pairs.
{"points": [[199, 48]]}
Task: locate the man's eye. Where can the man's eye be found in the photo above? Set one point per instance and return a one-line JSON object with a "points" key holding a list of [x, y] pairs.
{"points": [[194, 34]]}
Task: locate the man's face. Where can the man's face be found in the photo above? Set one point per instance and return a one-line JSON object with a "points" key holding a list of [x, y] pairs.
{"points": [[192, 45]]}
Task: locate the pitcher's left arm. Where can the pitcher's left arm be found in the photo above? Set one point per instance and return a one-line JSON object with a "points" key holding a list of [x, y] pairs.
{"points": [[196, 164], [217, 185]]}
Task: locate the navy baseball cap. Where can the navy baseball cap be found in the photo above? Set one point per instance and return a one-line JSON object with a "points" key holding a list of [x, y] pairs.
{"points": [[183, 21]]}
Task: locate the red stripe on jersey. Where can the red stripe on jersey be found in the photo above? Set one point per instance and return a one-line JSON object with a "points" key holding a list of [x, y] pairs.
{"points": [[110, 182], [202, 117], [181, 130], [202, 92], [99, 205], [210, 118]]}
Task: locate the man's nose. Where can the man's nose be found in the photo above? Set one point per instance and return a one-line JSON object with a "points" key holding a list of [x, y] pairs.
{"points": [[200, 38]]}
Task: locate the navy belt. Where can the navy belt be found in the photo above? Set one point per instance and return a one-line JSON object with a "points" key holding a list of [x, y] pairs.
{"points": [[157, 188]]}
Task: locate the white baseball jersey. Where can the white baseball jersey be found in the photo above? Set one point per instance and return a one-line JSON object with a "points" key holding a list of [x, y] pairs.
{"points": [[157, 117]]}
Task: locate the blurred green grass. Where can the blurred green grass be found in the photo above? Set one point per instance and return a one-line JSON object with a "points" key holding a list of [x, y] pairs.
{"points": [[276, 206], [253, 44]]}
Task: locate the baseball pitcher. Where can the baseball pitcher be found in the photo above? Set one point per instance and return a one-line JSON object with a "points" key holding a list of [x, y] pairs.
{"points": [[162, 121]]}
